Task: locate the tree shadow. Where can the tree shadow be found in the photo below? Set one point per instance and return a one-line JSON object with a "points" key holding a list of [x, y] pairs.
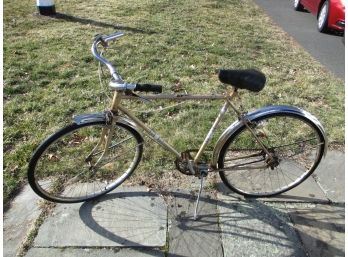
{"points": [[86, 21], [324, 221], [243, 221]]}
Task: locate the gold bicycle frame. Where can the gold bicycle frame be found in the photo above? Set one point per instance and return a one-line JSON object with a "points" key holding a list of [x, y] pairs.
{"points": [[116, 106], [228, 97]]}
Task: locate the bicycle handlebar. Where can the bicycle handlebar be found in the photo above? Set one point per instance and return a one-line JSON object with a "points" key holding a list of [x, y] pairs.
{"points": [[104, 39], [113, 36], [117, 83]]}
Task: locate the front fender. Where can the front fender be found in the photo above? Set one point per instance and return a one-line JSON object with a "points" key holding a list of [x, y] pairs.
{"points": [[89, 117], [101, 117], [261, 113]]}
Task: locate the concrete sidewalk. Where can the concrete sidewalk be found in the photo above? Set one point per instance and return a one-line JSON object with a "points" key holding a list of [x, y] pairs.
{"points": [[307, 221]]}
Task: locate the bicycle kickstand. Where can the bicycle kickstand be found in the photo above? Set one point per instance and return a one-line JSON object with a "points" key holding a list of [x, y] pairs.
{"points": [[202, 175]]}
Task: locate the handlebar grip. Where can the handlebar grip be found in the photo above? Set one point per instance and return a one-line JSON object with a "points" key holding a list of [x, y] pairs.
{"points": [[148, 88]]}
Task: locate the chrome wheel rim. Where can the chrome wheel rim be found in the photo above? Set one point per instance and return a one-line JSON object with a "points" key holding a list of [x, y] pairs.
{"points": [[296, 2], [296, 155], [322, 16]]}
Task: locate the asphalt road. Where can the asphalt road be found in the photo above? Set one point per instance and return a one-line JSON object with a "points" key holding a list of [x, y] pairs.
{"points": [[328, 49]]}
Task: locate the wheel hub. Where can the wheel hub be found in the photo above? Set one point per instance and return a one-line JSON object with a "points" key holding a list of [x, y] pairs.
{"points": [[273, 161]]}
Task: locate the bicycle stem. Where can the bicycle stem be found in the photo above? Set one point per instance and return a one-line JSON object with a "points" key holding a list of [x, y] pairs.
{"points": [[115, 101]]}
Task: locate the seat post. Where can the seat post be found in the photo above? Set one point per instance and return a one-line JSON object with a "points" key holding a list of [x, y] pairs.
{"points": [[233, 92], [230, 96]]}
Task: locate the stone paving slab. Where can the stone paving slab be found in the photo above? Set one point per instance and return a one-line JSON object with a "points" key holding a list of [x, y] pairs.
{"points": [[330, 176], [321, 228], [254, 228], [307, 191], [19, 219], [127, 217], [189, 237], [68, 252]]}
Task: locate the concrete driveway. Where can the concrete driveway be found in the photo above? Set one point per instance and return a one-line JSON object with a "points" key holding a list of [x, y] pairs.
{"points": [[328, 49]]}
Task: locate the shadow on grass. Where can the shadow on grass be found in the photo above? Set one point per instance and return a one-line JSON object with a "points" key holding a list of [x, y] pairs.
{"points": [[250, 222], [86, 21]]}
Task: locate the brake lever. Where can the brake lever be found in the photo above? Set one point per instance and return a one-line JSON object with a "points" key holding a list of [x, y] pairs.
{"points": [[100, 39]]}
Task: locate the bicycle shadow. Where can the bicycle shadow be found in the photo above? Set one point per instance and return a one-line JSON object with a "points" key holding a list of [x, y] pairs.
{"points": [[295, 195], [86, 21], [244, 225]]}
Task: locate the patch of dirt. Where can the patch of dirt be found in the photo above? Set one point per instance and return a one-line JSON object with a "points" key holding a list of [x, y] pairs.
{"points": [[172, 180]]}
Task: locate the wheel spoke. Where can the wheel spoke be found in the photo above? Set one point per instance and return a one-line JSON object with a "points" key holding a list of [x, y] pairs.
{"points": [[62, 172], [294, 144]]}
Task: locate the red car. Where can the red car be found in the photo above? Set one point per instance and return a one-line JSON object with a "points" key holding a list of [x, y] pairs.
{"points": [[330, 13]]}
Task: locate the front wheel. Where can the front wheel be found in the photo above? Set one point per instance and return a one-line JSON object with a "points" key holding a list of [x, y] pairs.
{"points": [[295, 144], [323, 17], [70, 166], [297, 5]]}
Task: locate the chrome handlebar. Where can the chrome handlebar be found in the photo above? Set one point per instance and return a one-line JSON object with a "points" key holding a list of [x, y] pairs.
{"points": [[117, 82], [112, 36], [103, 40]]}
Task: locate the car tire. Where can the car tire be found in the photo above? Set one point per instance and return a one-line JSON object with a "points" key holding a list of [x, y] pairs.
{"points": [[323, 17], [297, 5]]}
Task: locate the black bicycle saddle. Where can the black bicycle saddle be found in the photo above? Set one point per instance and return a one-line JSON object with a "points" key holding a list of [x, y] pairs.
{"points": [[250, 79]]}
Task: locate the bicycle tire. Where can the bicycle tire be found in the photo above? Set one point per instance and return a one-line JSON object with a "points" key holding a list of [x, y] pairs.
{"points": [[292, 138], [60, 169]]}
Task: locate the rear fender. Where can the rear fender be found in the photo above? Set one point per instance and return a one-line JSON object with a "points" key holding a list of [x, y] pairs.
{"points": [[259, 113]]}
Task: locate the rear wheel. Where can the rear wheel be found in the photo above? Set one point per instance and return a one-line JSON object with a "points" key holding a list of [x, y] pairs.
{"points": [[295, 143], [70, 167], [323, 17]]}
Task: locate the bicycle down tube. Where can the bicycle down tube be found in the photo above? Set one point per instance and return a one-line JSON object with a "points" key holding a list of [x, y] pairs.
{"points": [[153, 135]]}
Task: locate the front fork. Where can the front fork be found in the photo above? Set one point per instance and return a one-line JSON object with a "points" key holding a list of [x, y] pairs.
{"points": [[107, 132], [105, 139]]}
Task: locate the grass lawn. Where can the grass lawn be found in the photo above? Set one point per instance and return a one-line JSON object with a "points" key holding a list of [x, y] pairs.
{"points": [[50, 74]]}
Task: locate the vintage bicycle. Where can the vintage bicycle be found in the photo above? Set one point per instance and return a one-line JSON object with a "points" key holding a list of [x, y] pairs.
{"points": [[263, 153]]}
